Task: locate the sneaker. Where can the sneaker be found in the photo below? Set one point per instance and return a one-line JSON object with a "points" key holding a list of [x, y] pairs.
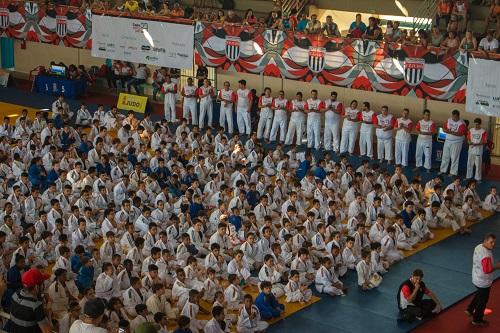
{"points": [[479, 323], [419, 318], [468, 313]]}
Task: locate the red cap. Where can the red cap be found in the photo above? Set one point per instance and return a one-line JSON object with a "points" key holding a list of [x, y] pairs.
{"points": [[33, 277]]}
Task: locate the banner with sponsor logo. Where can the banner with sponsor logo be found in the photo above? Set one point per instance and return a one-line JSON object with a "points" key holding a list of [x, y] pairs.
{"points": [[406, 70], [131, 102], [141, 41], [35, 22], [483, 87]]}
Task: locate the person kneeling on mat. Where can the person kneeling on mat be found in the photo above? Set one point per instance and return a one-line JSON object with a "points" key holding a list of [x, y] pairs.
{"points": [[410, 299]]}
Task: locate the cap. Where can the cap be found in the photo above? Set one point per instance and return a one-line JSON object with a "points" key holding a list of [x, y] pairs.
{"points": [[94, 308], [33, 277], [146, 328]]}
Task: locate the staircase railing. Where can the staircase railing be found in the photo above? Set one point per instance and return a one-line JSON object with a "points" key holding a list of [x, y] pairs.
{"points": [[299, 5], [424, 15]]}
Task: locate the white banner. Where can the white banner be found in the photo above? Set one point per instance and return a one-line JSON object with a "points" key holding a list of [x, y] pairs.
{"points": [[483, 87], [139, 41]]}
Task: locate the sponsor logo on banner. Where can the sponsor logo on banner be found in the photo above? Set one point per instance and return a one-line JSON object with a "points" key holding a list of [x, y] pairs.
{"points": [[133, 48], [233, 47], [159, 49], [61, 26], [182, 55], [145, 47], [316, 59], [132, 102], [4, 18], [140, 27], [414, 71], [151, 58], [102, 48]]}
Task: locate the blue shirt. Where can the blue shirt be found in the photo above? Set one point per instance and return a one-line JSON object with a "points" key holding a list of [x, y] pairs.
{"points": [[252, 198], [320, 173], [301, 26], [235, 221], [407, 217], [362, 26], [303, 168], [268, 306], [194, 209], [52, 176]]}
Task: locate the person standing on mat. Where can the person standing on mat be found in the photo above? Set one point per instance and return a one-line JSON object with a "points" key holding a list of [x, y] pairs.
{"points": [[482, 278], [410, 298]]}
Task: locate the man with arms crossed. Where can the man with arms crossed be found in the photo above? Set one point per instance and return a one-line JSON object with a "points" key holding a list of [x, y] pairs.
{"points": [[280, 105], [455, 130]]}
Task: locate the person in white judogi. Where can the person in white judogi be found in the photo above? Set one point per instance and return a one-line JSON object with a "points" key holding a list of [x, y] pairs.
{"points": [[333, 114], [265, 115], [326, 280], [390, 250], [280, 121], [425, 128], [269, 273], [249, 317], [189, 106], [350, 128], [384, 124], [205, 94], [169, 89], [244, 99], [295, 127], [295, 291], [492, 202], [455, 130], [404, 127], [312, 109], [133, 296], [227, 98], [476, 137], [366, 130]]}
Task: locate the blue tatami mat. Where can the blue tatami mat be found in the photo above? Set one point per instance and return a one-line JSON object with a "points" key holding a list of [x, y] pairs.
{"points": [[447, 272]]}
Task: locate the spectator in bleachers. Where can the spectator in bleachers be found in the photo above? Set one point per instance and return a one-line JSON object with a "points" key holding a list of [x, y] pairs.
{"points": [[468, 43], [131, 6], [453, 24], [436, 37], [493, 16], [451, 40], [221, 18], [232, 17], [489, 43], [249, 17], [285, 24], [273, 21], [164, 10], [331, 28], [461, 10], [443, 12], [373, 32], [314, 25], [126, 73], [357, 28], [177, 10], [302, 23]]}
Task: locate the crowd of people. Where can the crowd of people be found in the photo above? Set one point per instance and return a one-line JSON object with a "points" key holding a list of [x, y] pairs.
{"points": [[141, 221], [450, 27]]}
